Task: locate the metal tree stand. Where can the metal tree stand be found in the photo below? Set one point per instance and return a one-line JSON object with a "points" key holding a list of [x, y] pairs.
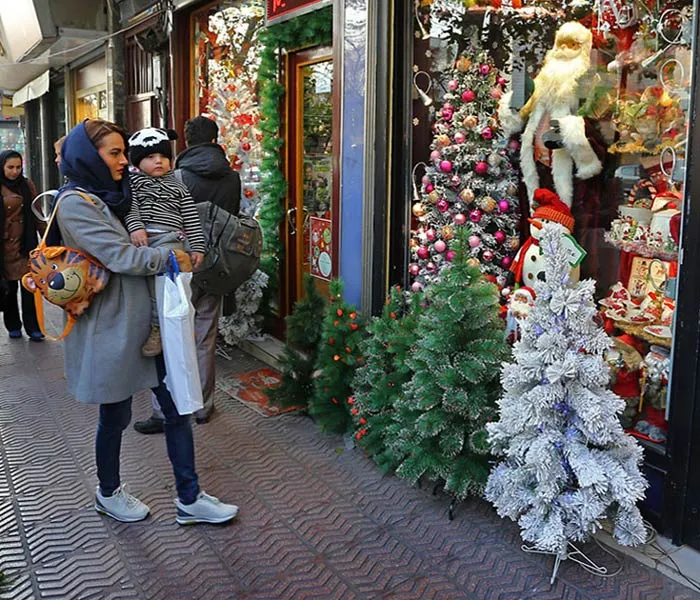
{"points": [[573, 554]]}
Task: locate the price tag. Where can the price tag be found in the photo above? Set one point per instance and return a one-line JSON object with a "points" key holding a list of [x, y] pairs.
{"points": [[574, 253]]}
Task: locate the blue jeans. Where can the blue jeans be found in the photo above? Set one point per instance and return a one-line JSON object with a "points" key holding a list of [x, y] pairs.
{"points": [[115, 418]]}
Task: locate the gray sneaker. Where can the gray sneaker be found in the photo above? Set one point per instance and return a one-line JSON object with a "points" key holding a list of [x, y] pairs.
{"points": [[121, 505], [205, 509]]}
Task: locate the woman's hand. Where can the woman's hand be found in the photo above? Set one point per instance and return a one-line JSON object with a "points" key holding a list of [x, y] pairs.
{"points": [[139, 238], [197, 258], [183, 260]]}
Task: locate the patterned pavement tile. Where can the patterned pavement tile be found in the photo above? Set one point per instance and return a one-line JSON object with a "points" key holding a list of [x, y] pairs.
{"points": [[318, 520]]}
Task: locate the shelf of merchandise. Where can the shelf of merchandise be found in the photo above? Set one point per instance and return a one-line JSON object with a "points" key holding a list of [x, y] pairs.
{"points": [[643, 250]]}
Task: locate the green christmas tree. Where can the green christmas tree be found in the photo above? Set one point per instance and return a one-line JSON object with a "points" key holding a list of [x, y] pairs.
{"points": [[452, 394], [301, 350], [338, 358], [379, 381]]}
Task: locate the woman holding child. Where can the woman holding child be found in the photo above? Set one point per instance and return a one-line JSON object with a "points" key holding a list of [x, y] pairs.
{"points": [[103, 360]]}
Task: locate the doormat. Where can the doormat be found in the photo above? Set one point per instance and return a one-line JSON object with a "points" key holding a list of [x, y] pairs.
{"points": [[249, 389]]}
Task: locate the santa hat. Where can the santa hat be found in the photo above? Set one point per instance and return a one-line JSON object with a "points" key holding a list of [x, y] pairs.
{"points": [[551, 208], [150, 140]]}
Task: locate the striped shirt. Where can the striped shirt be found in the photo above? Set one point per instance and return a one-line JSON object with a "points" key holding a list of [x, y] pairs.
{"points": [[164, 201]]}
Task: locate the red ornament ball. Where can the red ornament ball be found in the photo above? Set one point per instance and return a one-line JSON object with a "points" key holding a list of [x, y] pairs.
{"points": [[423, 252], [475, 215], [487, 133], [450, 256], [500, 237], [481, 168], [468, 96], [414, 269], [443, 205], [484, 69], [503, 206], [446, 166], [506, 261]]}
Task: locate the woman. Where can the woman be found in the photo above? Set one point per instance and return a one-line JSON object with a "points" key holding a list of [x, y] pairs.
{"points": [[19, 236], [103, 360]]}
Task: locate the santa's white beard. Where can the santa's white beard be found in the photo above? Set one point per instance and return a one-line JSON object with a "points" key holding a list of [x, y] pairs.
{"points": [[557, 81]]}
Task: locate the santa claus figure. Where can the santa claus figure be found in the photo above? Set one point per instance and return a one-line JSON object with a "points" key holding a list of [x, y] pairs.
{"points": [[560, 150], [528, 265]]}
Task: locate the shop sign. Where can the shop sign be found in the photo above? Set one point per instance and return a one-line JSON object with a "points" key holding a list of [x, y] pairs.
{"points": [[281, 10]]}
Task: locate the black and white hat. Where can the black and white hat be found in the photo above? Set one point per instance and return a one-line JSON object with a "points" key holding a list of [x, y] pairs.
{"points": [[150, 140]]}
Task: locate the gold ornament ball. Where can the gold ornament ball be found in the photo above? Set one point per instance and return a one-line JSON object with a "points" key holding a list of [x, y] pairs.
{"points": [[413, 244], [470, 121], [443, 140], [433, 197], [448, 232], [463, 64], [473, 262], [513, 243], [467, 195], [512, 189], [418, 209], [492, 123], [488, 204], [494, 159]]}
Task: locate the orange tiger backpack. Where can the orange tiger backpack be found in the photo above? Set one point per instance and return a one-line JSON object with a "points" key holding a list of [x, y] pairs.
{"points": [[66, 277]]}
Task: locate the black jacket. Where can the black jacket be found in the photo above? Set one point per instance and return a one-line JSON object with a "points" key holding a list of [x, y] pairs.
{"points": [[209, 177]]}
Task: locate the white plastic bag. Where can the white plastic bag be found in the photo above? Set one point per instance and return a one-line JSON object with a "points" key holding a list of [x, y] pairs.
{"points": [[176, 316]]}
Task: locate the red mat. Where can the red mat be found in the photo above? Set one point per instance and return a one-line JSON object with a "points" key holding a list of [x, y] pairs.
{"points": [[249, 389]]}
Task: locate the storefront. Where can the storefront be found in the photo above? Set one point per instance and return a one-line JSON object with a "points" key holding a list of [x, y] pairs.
{"points": [[593, 103]]}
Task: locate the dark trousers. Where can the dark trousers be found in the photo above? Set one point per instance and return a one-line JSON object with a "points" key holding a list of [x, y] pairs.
{"points": [[115, 418], [10, 309]]}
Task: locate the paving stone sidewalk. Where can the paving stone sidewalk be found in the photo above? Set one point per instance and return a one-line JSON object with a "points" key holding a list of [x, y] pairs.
{"points": [[317, 520]]}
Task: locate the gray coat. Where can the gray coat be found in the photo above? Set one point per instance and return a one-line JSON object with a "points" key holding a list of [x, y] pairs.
{"points": [[103, 361]]}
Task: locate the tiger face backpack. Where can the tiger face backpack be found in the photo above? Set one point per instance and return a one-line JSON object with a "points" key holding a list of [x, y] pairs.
{"points": [[64, 276]]}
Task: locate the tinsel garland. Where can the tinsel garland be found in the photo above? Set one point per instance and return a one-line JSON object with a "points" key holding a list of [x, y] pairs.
{"points": [[304, 31]]}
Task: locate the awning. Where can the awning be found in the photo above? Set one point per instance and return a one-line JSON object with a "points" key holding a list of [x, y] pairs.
{"points": [[33, 90]]}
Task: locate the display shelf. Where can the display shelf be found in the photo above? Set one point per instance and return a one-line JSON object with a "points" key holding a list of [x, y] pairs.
{"points": [[642, 249], [638, 331]]}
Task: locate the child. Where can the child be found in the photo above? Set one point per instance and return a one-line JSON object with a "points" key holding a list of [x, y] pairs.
{"points": [[162, 210]]}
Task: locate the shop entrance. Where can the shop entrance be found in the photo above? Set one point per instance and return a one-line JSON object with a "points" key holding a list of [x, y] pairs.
{"points": [[311, 217]]}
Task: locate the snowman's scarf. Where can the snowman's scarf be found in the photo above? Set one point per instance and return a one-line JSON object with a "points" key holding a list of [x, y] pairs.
{"points": [[517, 266]]}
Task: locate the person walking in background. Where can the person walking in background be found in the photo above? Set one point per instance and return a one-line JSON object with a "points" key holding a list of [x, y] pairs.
{"points": [[205, 170], [19, 229], [103, 360], [57, 150]]}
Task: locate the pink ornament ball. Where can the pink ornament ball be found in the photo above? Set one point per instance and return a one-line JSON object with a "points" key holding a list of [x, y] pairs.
{"points": [[488, 255], [484, 69], [416, 286], [500, 237], [503, 206], [430, 234], [475, 215], [430, 267], [501, 80], [425, 180], [423, 252], [455, 180], [514, 145], [446, 166], [495, 93], [414, 269], [450, 256], [440, 246], [468, 96], [487, 133], [481, 168], [460, 138], [452, 85], [474, 241], [460, 219], [448, 106], [435, 155], [429, 188], [443, 205], [447, 114], [506, 262]]}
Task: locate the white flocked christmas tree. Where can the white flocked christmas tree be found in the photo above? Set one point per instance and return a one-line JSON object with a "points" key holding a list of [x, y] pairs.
{"points": [[567, 465]]}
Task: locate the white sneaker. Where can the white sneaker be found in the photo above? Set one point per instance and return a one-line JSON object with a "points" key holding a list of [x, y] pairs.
{"points": [[121, 505], [205, 509]]}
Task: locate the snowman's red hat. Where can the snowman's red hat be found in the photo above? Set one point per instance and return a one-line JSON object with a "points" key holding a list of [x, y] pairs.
{"points": [[551, 208]]}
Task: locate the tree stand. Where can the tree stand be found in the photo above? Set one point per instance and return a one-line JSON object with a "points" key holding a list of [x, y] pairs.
{"points": [[572, 553]]}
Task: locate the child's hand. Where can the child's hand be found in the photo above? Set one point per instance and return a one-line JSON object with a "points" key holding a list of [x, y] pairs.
{"points": [[197, 258], [139, 238], [183, 260]]}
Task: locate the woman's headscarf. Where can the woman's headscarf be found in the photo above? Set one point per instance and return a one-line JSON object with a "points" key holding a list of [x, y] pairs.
{"points": [[20, 186], [85, 169]]}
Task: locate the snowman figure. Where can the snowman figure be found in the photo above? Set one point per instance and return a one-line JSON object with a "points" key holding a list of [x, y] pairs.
{"points": [[528, 265]]}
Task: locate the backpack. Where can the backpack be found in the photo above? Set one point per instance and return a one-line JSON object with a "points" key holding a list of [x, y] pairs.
{"points": [[53, 270], [234, 245]]}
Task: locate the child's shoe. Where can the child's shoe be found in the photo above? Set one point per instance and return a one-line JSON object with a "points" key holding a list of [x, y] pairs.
{"points": [[152, 347]]}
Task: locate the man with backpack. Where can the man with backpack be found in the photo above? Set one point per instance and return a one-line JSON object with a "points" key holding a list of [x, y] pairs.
{"points": [[204, 168]]}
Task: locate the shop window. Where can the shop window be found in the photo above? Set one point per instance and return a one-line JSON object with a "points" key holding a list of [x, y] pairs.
{"points": [[592, 104], [226, 58]]}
